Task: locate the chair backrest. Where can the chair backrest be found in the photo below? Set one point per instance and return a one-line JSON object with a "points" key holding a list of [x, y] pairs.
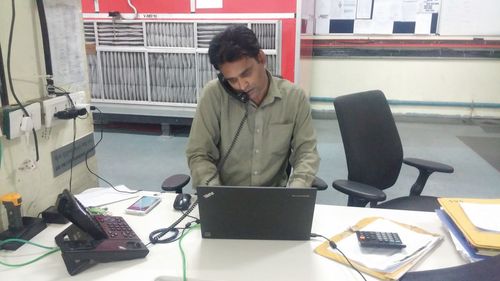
{"points": [[371, 140]]}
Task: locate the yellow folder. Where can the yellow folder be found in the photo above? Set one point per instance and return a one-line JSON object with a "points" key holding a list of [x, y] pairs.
{"points": [[324, 250], [478, 238]]}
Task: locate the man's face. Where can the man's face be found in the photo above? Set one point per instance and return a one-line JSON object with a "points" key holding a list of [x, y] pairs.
{"points": [[247, 75]]}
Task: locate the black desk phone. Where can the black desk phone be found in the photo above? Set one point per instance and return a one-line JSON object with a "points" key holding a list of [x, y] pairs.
{"points": [[94, 239]]}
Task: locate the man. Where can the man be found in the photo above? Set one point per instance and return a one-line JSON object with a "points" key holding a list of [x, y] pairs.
{"points": [[233, 142]]}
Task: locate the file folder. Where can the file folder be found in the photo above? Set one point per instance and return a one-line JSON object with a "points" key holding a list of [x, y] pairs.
{"points": [[325, 251], [482, 240]]}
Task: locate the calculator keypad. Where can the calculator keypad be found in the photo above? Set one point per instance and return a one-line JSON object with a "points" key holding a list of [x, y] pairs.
{"points": [[377, 239]]}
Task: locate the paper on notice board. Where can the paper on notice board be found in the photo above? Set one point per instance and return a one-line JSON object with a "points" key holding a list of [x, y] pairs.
{"points": [[208, 4], [364, 9], [429, 6], [322, 24], [343, 9], [480, 215]]}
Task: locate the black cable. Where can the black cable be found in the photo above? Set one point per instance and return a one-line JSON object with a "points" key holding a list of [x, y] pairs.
{"points": [[187, 215], [70, 100], [63, 91], [72, 154], [235, 139], [4, 97], [11, 85], [46, 47], [155, 235], [93, 148], [334, 246]]}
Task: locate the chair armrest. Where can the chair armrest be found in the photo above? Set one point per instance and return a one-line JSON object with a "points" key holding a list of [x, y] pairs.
{"points": [[430, 166], [361, 190], [175, 183], [425, 168], [319, 184]]}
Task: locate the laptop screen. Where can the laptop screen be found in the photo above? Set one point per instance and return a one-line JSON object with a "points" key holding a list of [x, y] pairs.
{"points": [[271, 213]]}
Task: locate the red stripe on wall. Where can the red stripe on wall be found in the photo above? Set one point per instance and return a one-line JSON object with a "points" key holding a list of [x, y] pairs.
{"points": [[183, 6]]}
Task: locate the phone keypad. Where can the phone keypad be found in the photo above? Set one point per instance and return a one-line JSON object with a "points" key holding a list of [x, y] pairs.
{"points": [[116, 227]]}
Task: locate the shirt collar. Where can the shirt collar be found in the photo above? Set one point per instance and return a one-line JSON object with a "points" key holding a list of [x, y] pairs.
{"points": [[273, 92]]}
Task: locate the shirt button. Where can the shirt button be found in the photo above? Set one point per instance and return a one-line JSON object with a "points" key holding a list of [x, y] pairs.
{"points": [[257, 131], [257, 151], [255, 172]]}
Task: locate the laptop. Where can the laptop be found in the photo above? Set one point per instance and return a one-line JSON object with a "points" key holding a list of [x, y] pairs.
{"points": [[269, 213]]}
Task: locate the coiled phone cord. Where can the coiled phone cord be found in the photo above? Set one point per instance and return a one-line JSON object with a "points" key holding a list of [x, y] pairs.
{"points": [[155, 236]]}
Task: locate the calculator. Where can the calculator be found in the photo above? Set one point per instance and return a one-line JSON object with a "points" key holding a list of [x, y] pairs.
{"points": [[376, 239]]}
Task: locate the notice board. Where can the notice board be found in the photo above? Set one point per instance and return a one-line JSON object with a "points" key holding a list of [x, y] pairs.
{"points": [[412, 17]]}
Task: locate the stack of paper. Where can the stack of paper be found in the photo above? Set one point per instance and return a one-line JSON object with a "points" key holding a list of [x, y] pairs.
{"points": [[100, 196], [473, 225], [385, 264]]}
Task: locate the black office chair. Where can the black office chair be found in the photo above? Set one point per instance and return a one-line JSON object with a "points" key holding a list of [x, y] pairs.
{"points": [[485, 270], [375, 155]]}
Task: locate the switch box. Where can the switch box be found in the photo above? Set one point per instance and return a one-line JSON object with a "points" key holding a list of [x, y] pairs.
{"points": [[13, 118], [54, 105]]}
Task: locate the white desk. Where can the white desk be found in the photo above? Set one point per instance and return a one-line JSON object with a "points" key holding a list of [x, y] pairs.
{"points": [[224, 259]]}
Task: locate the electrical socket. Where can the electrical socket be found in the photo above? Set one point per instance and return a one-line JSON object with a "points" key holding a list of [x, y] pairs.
{"points": [[13, 118], [53, 105]]}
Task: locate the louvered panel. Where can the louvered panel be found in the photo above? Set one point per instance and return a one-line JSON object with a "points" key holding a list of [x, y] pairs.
{"points": [[206, 31], [266, 34], [206, 71], [272, 65], [120, 34], [172, 77], [88, 29], [95, 89], [118, 72], [124, 76], [170, 34]]}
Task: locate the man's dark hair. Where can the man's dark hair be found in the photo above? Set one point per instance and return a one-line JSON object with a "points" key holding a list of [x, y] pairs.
{"points": [[232, 44]]}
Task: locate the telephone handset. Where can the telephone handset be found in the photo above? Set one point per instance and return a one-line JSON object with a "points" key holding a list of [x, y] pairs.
{"points": [[75, 212], [241, 96]]}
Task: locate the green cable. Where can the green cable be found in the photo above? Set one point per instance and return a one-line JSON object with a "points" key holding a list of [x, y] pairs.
{"points": [[182, 252], [52, 250]]}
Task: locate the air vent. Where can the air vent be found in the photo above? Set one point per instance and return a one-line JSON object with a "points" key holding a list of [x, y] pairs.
{"points": [[272, 65], [170, 34], [206, 31], [124, 76], [173, 77], [206, 71], [120, 34], [95, 90], [88, 29], [266, 34]]}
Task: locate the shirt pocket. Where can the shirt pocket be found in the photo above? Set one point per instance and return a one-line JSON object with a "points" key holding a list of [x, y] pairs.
{"points": [[280, 136]]}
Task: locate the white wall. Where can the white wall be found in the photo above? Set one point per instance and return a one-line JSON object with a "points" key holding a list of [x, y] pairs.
{"points": [[37, 187], [428, 80]]}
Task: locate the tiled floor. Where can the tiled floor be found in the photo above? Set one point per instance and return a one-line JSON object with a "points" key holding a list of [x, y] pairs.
{"points": [[142, 161]]}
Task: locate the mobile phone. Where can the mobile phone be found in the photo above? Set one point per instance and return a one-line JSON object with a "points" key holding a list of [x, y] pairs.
{"points": [[143, 206]]}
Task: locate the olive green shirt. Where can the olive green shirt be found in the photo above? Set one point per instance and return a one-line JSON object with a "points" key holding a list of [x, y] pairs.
{"points": [[277, 131]]}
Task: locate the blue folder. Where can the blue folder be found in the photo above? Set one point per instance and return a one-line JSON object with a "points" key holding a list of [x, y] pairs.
{"points": [[450, 225]]}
